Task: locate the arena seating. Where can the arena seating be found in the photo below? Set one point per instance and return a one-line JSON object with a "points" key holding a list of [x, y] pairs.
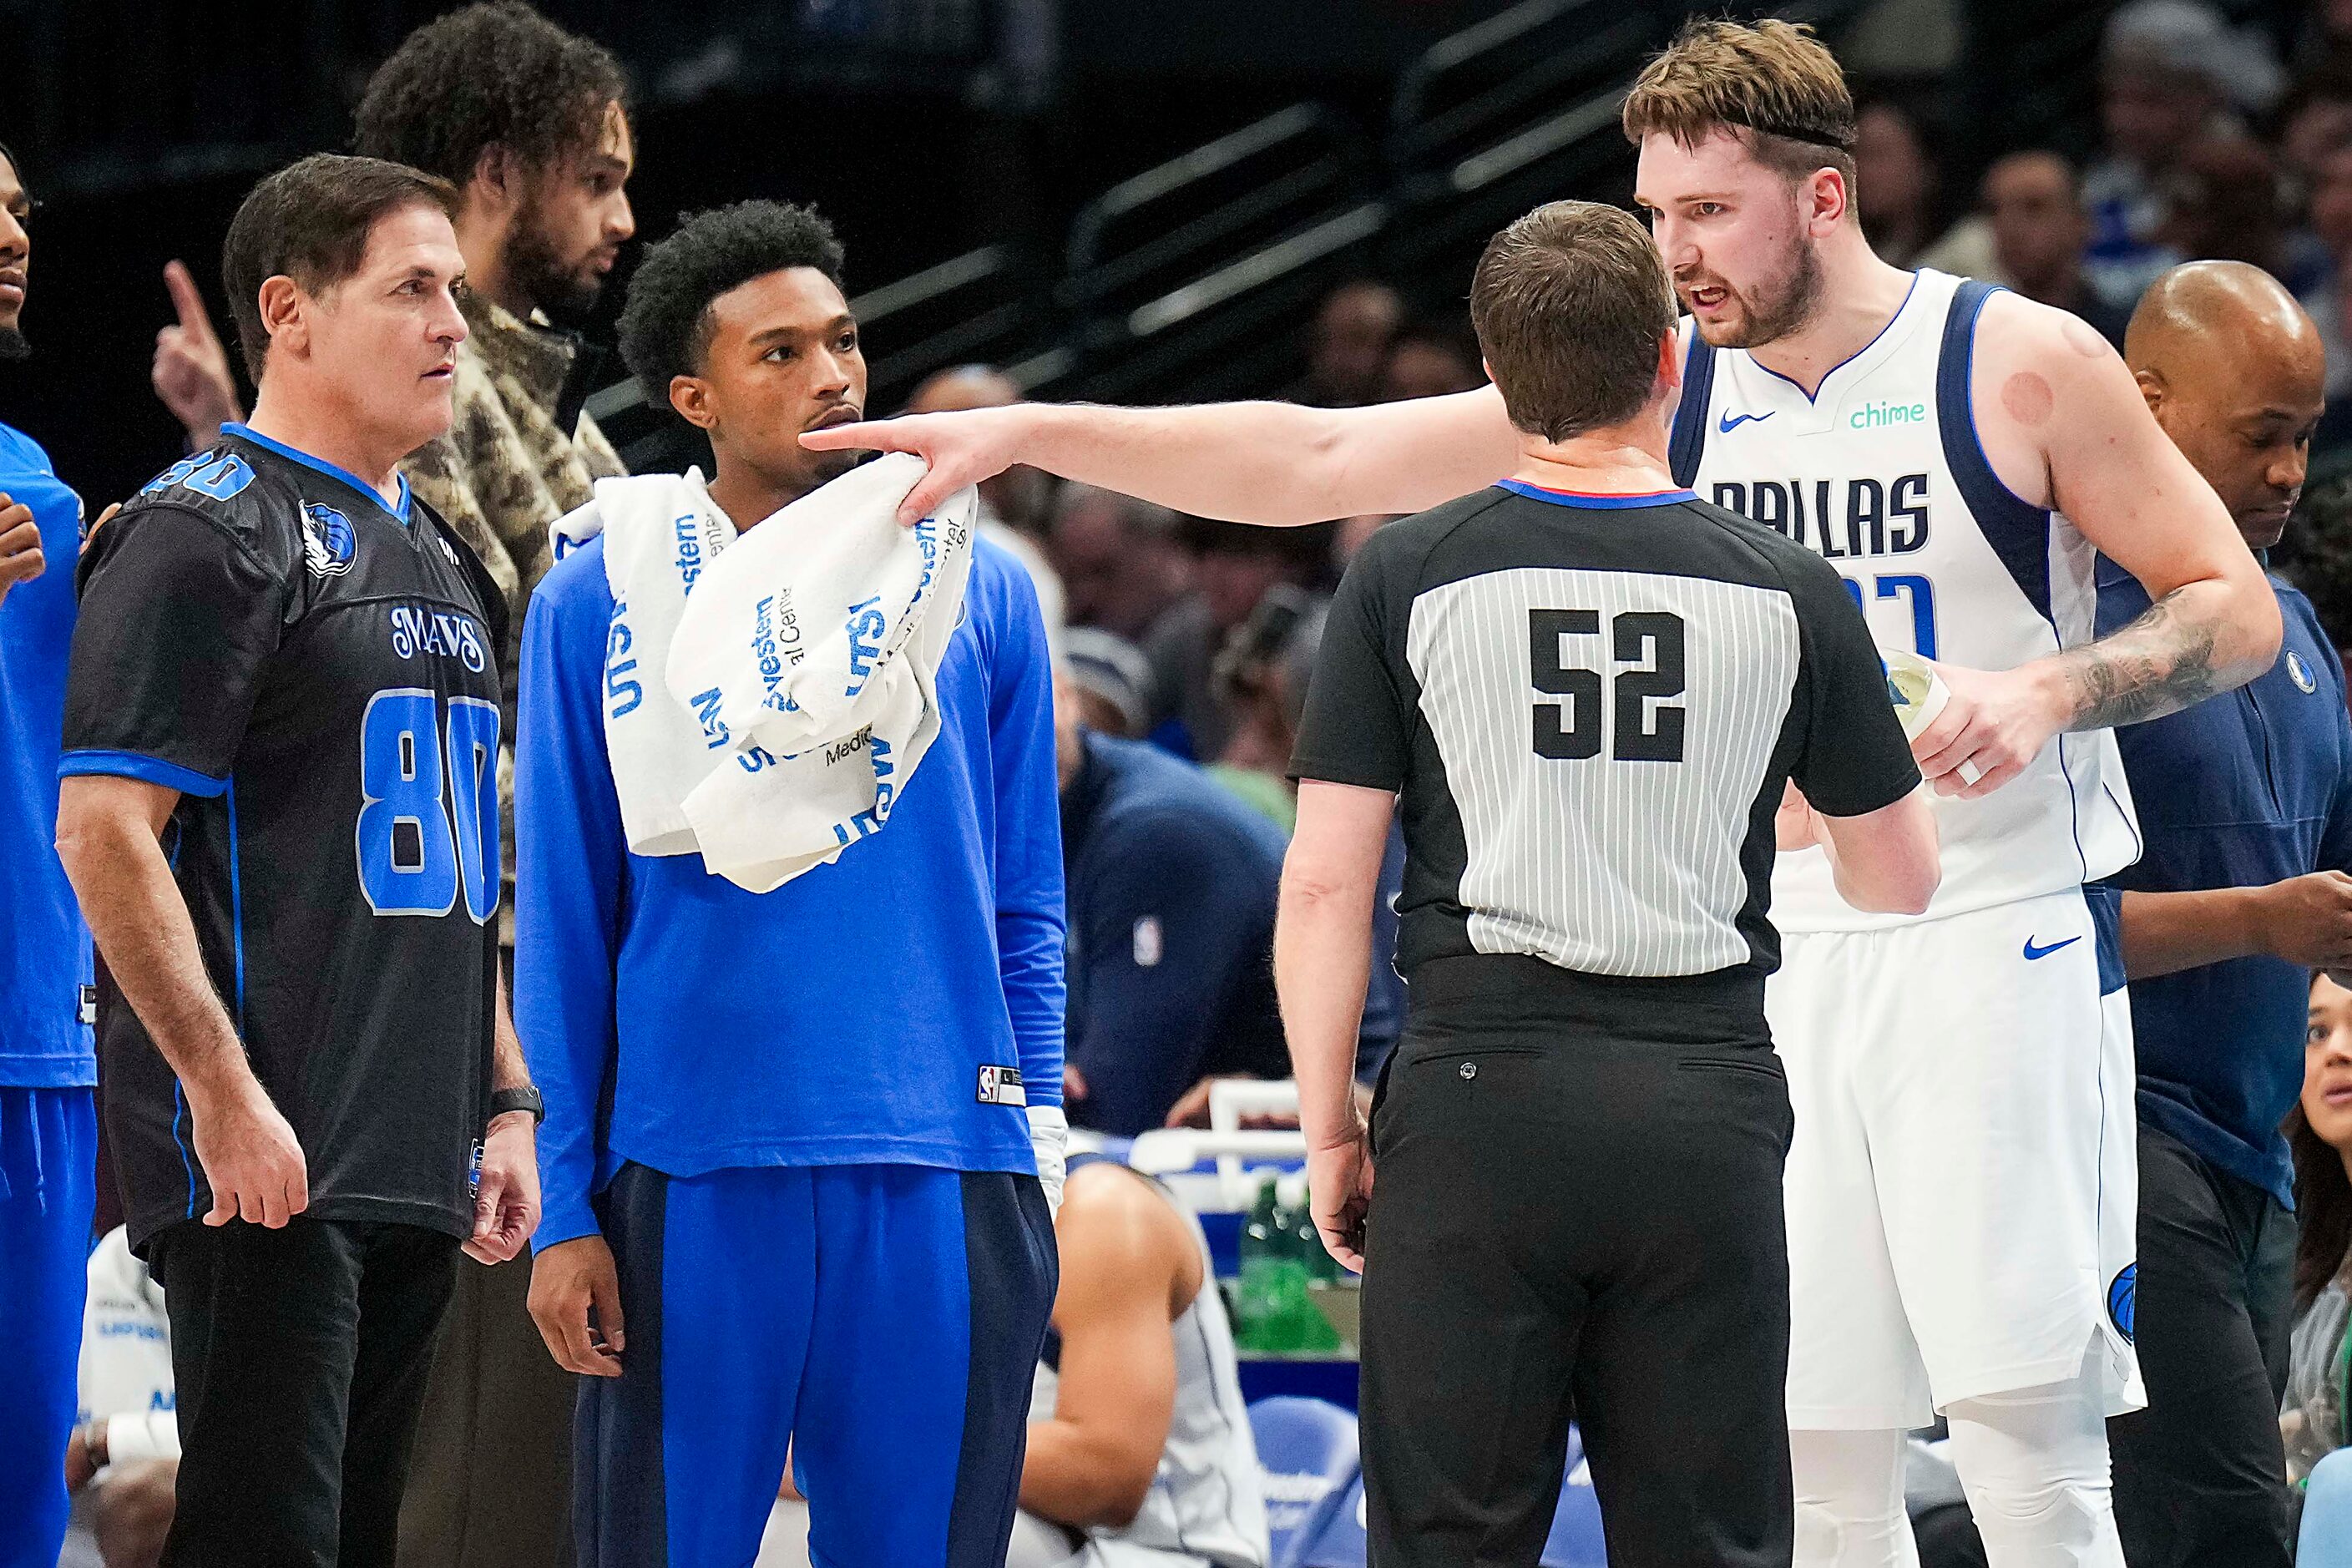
{"points": [[1306, 1451]]}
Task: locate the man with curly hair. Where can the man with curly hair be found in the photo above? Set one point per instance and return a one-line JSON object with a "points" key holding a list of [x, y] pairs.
{"points": [[809, 1211], [530, 125]]}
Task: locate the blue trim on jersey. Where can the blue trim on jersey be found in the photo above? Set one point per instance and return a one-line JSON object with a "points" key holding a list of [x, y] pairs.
{"points": [[179, 1142], [295, 454], [1814, 396], [1687, 445], [236, 911], [137, 765], [1587, 500], [2018, 531]]}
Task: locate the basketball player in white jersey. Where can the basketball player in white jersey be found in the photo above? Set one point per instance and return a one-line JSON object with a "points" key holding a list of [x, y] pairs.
{"points": [[1961, 1189]]}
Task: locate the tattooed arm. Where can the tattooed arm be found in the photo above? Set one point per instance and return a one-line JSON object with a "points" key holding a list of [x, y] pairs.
{"points": [[2064, 426]]}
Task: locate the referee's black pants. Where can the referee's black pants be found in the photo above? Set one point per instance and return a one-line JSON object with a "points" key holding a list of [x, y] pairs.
{"points": [[2199, 1477], [1577, 1213], [300, 1357]]}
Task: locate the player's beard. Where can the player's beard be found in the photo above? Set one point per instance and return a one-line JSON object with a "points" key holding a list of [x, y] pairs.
{"points": [[555, 286], [1773, 310], [14, 344]]}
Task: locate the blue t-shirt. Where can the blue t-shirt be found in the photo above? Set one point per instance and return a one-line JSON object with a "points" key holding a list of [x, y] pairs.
{"points": [[673, 1019], [2241, 790], [44, 948], [1172, 881]]}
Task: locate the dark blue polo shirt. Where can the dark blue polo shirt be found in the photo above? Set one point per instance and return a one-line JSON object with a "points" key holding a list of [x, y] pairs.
{"points": [[2245, 789], [1171, 884]]}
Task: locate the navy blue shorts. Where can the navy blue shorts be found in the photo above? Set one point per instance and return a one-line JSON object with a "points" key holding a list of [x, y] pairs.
{"points": [[881, 1322]]}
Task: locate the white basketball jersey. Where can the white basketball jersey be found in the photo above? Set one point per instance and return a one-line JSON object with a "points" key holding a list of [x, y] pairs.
{"points": [[1205, 1506], [1881, 472]]}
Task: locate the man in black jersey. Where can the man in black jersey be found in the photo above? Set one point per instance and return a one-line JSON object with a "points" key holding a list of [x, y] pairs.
{"points": [[279, 813], [1591, 690]]}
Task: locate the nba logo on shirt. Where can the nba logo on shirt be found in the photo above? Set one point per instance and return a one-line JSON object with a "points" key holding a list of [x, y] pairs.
{"points": [[328, 543], [1001, 1086]]}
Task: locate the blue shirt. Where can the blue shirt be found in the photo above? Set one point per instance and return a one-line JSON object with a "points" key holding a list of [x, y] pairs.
{"points": [[44, 947], [673, 1019], [2242, 789], [1172, 887]]}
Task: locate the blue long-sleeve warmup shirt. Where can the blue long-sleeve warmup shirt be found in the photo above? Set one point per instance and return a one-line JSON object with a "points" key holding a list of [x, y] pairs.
{"points": [[673, 1019], [2241, 790], [44, 1043]]}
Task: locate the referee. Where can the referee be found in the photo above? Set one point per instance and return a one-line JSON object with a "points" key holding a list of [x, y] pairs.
{"points": [[1591, 690], [279, 812]]}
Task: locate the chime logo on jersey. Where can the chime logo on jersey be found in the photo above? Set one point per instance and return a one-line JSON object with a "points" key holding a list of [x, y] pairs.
{"points": [[330, 543]]}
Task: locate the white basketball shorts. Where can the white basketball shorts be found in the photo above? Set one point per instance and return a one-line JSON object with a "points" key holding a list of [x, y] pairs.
{"points": [[1962, 1186]]}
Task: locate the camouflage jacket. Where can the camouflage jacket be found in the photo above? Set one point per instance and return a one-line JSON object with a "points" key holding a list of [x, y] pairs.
{"points": [[502, 476]]}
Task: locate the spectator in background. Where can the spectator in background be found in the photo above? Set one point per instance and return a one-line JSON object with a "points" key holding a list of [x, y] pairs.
{"points": [[1108, 678], [1348, 534], [125, 1456], [1122, 566], [2326, 36], [2319, 1129], [2316, 119], [1234, 564], [1431, 358], [1261, 677], [2169, 73], [1895, 183], [2034, 209], [2224, 203], [1171, 884], [1012, 505], [1348, 347], [2329, 213]]}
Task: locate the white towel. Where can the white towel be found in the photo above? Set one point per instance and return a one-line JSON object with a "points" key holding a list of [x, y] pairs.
{"points": [[788, 675]]}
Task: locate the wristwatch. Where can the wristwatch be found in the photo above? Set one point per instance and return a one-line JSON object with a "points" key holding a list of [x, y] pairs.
{"points": [[524, 1098]]}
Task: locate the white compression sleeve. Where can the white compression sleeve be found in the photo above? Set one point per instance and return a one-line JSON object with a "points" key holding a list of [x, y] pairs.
{"points": [[1850, 1500], [2034, 1463]]}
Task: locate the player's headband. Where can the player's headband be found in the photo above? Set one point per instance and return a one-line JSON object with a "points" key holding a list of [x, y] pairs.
{"points": [[1841, 138]]}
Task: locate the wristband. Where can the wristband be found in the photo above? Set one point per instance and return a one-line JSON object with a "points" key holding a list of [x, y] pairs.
{"points": [[527, 1097]]}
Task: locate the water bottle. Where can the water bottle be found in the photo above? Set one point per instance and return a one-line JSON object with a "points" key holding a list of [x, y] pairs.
{"points": [[1321, 1267], [1273, 1309]]}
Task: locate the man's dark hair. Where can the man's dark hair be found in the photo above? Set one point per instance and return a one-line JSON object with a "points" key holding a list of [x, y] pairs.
{"points": [[665, 327], [1570, 303], [498, 73], [310, 222]]}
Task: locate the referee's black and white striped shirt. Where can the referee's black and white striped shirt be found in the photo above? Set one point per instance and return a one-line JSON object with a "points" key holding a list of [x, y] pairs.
{"points": [[1590, 705]]}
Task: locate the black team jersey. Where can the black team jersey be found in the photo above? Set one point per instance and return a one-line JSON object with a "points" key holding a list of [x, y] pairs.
{"points": [[317, 675]]}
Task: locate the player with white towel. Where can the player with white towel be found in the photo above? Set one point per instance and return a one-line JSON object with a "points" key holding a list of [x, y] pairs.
{"points": [[779, 982], [1961, 1187]]}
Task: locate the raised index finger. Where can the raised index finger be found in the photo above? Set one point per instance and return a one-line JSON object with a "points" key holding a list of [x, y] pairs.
{"points": [[186, 300]]}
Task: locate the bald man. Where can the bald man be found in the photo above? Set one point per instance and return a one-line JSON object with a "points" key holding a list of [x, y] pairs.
{"points": [[2245, 801]]}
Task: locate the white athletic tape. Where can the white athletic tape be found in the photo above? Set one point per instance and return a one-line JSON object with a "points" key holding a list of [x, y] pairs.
{"points": [[1970, 772]]}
